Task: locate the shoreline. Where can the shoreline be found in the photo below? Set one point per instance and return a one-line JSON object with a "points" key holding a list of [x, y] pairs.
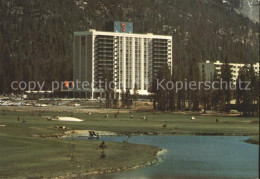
{"points": [[85, 133], [253, 140], [112, 170], [157, 159]]}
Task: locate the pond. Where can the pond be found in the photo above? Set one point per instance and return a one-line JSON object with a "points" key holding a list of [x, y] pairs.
{"points": [[195, 157]]}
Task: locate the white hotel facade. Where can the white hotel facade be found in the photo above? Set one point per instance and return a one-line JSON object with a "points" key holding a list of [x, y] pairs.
{"points": [[211, 67], [131, 59], [235, 67]]}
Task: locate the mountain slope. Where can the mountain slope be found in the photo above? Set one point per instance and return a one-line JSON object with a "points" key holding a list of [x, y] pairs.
{"points": [[36, 36], [250, 8]]}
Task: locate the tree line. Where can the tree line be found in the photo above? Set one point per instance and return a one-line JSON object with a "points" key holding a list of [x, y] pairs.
{"points": [[175, 96], [245, 91]]}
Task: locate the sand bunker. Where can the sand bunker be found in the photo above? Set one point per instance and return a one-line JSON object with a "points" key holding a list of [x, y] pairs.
{"points": [[69, 119]]}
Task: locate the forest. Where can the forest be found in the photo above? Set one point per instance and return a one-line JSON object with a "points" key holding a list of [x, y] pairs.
{"points": [[36, 35]]}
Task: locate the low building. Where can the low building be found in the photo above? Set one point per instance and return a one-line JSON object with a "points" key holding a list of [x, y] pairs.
{"points": [[211, 67]]}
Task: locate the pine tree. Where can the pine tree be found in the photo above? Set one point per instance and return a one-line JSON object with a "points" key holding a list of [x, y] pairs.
{"points": [[245, 97], [215, 100], [162, 95], [123, 98], [172, 93], [135, 94], [127, 98], [108, 87], [194, 77], [203, 91], [226, 85]]}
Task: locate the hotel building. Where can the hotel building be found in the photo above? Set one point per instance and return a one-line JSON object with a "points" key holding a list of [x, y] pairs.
{"points": [[129, 59], [211, 67]]}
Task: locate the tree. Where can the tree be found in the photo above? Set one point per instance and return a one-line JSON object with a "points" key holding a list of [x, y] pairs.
{"points": [[253, 84], [123, 98], [252, 78], [215, 100], [163, 90], [194, 76], [226, 84], [209, 93], [203, 91], [127, 98], [246, 98], [108, 89], [190, 78], [135, 94], [154, 91], [172, 93], [256, 95], [242, 99]]}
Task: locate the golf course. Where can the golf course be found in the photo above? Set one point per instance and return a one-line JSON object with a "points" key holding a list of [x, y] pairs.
{"points": [[33, 146]]}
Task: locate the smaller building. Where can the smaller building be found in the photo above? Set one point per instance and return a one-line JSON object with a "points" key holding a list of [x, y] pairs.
{"points": [[211, 67]]}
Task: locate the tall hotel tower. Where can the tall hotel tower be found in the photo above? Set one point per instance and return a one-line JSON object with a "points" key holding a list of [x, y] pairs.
{"points": [[130, 59]]}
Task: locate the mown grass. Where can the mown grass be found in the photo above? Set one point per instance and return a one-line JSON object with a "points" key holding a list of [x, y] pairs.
{"points": [[176, 123], [24, 155], [27, 151]]}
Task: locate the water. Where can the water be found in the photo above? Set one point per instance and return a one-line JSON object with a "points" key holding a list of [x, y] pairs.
{"points": [[195, 157]]}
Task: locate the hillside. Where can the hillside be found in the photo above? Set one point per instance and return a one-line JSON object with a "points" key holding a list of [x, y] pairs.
{"points": [[36, 36], [250, 8]]}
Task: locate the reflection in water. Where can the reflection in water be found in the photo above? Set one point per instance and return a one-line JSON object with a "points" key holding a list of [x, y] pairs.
{"points": [[195, 157]]}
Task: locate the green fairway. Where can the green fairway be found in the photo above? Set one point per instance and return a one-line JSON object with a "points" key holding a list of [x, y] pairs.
{"points": [[30, 149], [37, 124], [24, 155]]}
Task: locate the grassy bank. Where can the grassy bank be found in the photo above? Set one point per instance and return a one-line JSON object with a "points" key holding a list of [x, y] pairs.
{"points": [[36, 157], [26, 149], [253, 140], [26, 153]]}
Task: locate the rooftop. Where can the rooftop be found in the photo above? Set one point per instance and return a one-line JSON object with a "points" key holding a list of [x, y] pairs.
{"points": [[148, 35]]}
